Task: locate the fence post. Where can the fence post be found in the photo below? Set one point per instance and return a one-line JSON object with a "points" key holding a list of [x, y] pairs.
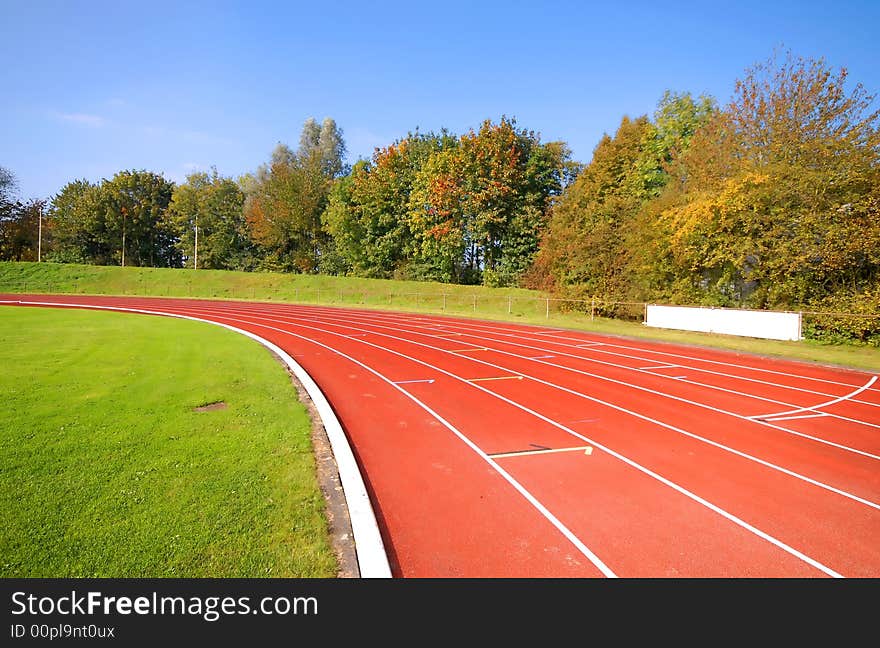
{"points": [[509, 304], [548, 308], [592, 309], [475, 302]]}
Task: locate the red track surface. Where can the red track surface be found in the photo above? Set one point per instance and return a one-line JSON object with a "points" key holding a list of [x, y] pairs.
{"points": [[689, 475]]}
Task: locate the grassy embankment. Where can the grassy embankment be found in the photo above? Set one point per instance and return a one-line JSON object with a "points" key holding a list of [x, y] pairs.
{"points": [[106, 469], [503, 304]]}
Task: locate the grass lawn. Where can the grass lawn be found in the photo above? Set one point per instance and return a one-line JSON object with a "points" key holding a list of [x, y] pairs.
{"points": [[501, 304], [106, 470]]}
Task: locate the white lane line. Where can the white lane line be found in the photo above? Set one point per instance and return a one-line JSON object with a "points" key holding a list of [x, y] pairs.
{"points": [[523, 335], [736, 520], [564, 530], [471, 380], [543, 357], [664, 394], [589, 344], [592, 557], [370, 550], [820, 405], [587, 450], [729, 516], [625, 410], [409, 382], [801, 416], [669, 366]]}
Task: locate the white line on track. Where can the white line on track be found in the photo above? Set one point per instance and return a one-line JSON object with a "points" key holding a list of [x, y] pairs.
{"points": [[820, 405], [523, 334], [564, 530], [681, 378], [530, 453], [637, 387], [736, 520], [803, 416]]}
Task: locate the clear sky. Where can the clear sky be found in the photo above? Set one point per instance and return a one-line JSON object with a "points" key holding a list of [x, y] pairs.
{"points": [[90, 88]]}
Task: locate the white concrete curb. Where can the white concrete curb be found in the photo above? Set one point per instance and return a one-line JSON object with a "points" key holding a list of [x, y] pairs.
{"points": [[371, 556]]}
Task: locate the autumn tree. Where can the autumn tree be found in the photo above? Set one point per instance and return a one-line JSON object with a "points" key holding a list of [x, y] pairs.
{"points": [[774, 207], [599, 235], [367, 215], [286, 198], [477, 210]]}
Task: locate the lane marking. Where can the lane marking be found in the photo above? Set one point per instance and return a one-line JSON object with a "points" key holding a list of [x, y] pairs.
{"points": [[464, 350], [370, 322], [671, 366], [820, 405], [542, 357], [589, 344], [493, 378], [409, 382], [692, 435], [588, 450], [800, 416], [682, 378], [729, 516], [522, 335]]}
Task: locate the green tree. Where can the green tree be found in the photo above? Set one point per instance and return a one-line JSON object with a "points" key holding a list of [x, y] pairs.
{"points": [[19, 230], [119, 221], [601, 232], [774, 204], [367, 215], [214, 205]]}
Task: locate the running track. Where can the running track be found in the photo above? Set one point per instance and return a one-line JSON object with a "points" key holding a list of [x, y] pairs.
{"points": [[495, 449]]}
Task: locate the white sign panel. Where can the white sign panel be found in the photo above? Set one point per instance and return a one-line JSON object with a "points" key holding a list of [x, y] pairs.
{"points": [[730, 321]]}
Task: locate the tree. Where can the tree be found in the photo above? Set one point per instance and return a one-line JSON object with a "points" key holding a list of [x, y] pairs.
{"points": [[119, 221], [214, 205], [367, 215], [773, 204], [601, 230], [285, 200], [19, 230], [484, 202]]}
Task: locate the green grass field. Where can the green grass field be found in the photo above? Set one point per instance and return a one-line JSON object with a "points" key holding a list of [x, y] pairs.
{"points": [[106, 470], [501, 304]]}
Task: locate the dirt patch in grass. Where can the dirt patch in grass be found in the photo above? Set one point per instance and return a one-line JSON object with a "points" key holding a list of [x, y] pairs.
{"points": [[210, 407]]}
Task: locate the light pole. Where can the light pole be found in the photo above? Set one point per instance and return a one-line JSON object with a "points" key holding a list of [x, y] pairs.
{"points": [[40, 234]]}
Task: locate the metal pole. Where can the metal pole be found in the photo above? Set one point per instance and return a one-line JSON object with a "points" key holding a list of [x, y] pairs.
{"points": [[40, 236], [196, 254], [548, 308], [509, 304]]}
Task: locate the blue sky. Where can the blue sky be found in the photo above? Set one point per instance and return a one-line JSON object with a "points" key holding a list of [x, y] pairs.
{"points": [[91, 88]]}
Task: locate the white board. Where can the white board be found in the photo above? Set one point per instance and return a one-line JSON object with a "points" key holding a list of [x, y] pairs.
{"points": [[771, 325]]}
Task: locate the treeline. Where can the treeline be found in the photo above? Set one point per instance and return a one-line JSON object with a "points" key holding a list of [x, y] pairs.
{"points": [[770, 201]]}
